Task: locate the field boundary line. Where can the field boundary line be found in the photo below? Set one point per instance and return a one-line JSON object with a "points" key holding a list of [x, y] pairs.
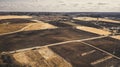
{"points": [[54, 44], [101, 50]]}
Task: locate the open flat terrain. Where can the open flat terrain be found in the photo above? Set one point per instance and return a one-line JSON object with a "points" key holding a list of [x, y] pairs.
{"points": [[18, 23], [82, 55], [40, 26], [116, 37], [94, 19], [45, 57], [41, 37], [5, 28], [94, 30], [109, 44], [58, 41], [14, 17], [9, 24]]}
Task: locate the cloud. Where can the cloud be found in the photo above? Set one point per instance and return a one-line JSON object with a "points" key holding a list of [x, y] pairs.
{"points": [[59, 5], [90, 3], [102, 3]]}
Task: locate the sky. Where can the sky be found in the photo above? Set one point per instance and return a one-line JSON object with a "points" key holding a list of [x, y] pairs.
{"points": [[60, 5]]}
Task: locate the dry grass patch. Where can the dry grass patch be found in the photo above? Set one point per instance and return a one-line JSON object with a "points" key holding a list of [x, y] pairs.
{"points": [[39, 26], [95, 19], [44, 57], [116, 37], [6, 28], [93, 30], [14, 16]]}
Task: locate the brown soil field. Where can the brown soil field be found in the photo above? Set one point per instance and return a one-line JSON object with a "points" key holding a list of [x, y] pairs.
{"points": [[28, 39], [72, 52], [50, 18], [16, 20], [47, 30], [110, 62], [59, 24], [108, 44], [1, 61]]}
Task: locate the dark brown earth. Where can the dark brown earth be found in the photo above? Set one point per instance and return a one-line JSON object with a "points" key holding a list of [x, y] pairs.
{"points": [[108, 44], [41, 37], [15, 21], [72, 53], [59, 24]]}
